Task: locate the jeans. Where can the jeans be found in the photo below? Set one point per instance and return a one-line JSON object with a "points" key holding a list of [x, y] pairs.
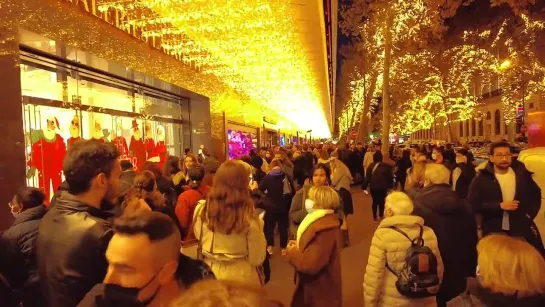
{"points": [[271, 219], [378, 202]]}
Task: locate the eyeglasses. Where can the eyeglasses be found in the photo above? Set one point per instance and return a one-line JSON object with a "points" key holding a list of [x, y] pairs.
{"points": [[503, 157]]}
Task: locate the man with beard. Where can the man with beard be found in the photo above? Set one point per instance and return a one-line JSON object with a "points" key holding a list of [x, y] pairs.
{"points": [[506, 196], [74, 132], [98, 134], [74, 234]]}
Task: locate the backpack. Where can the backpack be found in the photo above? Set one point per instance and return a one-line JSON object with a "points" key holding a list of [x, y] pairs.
{"points": [[418, 278], [286, 186]]}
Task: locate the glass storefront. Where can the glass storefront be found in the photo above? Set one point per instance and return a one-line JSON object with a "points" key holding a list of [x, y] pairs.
{"points": [[65, 101]]}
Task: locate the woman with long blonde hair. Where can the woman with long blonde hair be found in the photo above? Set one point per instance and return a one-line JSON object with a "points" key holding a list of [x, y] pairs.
{"points": [[415, 178], [230, 235], [510, 272]]}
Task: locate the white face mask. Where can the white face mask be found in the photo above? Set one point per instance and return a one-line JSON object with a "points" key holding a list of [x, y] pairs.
{"points": [[434, 156], [309, 205]]}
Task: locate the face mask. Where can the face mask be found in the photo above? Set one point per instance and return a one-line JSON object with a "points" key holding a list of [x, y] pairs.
{"points": [[434, 156], [459, 161], [309, 205], [116, 295]]}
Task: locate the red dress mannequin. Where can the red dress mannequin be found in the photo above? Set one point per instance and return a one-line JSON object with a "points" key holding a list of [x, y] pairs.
{"points": [[137, 147], [120, 143], [47, 157], [74, 132], [150, 143], [161, 148]]}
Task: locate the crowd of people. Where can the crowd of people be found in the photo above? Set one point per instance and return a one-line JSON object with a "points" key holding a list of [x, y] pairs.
{"points": [[197, 232]]}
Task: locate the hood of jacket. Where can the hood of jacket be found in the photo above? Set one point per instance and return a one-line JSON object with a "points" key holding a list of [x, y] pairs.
{"points": [[31, 214], [489, 298], [401, 220], [315, 222], [277, 173], [439, 198]]}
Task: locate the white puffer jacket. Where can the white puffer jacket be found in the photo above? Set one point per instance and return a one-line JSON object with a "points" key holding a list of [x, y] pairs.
{"points": [[389, 245]]}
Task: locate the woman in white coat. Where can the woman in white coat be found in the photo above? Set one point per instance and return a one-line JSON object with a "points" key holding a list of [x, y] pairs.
{"points": [[389, 246], [229, 233]]}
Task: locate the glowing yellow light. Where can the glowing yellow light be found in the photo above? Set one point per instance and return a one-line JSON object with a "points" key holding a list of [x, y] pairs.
{"points": [[505, 64]]}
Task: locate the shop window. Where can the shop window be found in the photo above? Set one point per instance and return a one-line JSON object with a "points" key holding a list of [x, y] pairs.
{"points": [[497, 123], [64, 104]]}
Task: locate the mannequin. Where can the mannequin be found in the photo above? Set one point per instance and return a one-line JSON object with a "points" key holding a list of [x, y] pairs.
{"points": [[74, 132], [119, 142], [161, 148], [150, 143], [98, 134], [47, 157], [137, 147]]}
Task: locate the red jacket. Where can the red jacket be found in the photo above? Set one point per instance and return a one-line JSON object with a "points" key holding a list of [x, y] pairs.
{"points": [[48, 156], [150, 148], [187, 202]]}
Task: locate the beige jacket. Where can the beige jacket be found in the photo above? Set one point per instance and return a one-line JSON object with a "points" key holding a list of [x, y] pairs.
{"points": [[388, 245], [234, 256]]}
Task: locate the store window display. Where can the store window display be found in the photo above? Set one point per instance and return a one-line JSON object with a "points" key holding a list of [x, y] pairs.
{"points": [[47, 155], [137, 147], [75, 131], [151, 150]]}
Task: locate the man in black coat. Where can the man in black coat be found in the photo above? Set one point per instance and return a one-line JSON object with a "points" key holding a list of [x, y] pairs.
{"points": [[463, 174], [18, 246], [380, 178], [506, 196], [74, 234], [454, 225]]}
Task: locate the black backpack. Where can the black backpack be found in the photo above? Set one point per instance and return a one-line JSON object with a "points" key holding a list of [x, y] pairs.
{"points": [[418, 278]]}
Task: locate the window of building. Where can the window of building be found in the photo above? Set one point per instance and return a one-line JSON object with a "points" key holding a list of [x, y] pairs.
{"points": [[497, 123], [488, 115], [481, 127], [467, 127], [461, 124], [473, 126]]}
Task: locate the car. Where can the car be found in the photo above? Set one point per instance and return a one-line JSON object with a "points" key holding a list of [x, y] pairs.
{"points": [[534, 159]]}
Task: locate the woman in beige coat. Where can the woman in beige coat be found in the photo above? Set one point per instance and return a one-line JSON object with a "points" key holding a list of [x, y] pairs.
{"points": [[230, 234], [389, 246]]}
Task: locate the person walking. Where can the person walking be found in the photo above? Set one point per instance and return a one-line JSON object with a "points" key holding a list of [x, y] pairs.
{"points": [[277, 188], [180, 179], [388, 250], [453, 223], [510, 273], [403, 166], [316, 253], [18, 246], [380, 179], [507, 197], [68, 269], [463, 174], [341, 179], [185, 209], [230, 234]]}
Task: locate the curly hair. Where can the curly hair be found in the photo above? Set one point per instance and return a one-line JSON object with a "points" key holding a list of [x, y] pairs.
{"points": [[144, 188]]}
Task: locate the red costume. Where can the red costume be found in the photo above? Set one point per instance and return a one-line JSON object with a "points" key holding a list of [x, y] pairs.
{"points": [[150, 148], [121, 144], [47, 157], [138, 150], [72, 140], [161, 150]]}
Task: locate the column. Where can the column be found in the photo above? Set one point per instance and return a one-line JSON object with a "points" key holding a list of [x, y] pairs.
{"points": [[12, 140]]}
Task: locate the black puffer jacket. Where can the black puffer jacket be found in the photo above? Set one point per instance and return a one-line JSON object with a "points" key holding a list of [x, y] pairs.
{"points": [[454, 225], [381, 178], [272, 186], [72, 240], [485, 196], [18, 255]]}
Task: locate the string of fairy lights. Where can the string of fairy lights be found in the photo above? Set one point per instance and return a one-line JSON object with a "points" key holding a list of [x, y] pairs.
{"points": [[251, 45]]}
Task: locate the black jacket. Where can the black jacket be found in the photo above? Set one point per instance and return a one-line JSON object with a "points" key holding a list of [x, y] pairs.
{"points": [[454, 225], [382, 178], [485, 196], [272, 186], [403, 166], [467, 173], [72, 240], [188, 273], [18, 255]]}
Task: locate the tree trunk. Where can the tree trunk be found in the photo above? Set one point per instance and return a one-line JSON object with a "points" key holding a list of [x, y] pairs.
{"points": [[386, 84], [364, 122]]}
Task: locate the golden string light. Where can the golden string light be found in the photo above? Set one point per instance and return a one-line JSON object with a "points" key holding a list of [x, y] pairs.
{"points": [[251, 45]]}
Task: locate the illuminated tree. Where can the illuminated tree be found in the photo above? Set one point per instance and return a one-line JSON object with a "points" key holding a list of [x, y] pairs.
{"points": [[399, 28]]}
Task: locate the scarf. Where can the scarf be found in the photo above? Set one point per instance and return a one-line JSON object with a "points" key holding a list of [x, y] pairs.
{"points": [[309, 219]]}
